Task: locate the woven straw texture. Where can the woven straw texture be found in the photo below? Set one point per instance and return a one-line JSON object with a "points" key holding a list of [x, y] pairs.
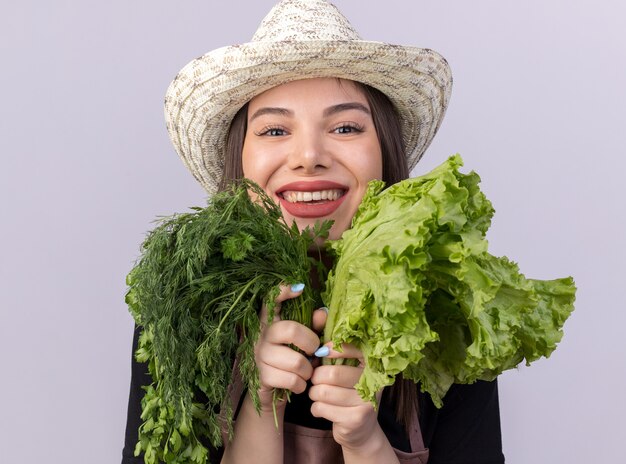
{"points": [[299, 39]]}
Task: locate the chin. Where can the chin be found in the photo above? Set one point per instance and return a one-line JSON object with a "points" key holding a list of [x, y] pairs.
{"points": [[336, 232]]}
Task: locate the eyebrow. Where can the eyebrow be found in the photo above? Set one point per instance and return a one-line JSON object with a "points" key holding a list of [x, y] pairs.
{"points": [[327, 112], [271, 110], [345, 107]]}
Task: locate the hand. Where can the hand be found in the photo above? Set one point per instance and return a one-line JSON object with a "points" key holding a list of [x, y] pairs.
{"points": [[355, 422], [279, 365]]}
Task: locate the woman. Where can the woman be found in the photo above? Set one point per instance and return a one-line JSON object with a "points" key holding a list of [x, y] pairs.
{"points": [[312, 113]]}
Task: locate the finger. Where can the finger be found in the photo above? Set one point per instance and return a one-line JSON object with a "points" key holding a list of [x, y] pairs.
{"points": [[286, 292], [351, 416], [286, 359], [319, 319], [340, 376], [292, 333], [278, 378], [348, 351], [336, 396], [289, 291]]}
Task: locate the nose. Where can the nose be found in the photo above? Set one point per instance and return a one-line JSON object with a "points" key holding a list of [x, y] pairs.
{"points": [[310, 153]]}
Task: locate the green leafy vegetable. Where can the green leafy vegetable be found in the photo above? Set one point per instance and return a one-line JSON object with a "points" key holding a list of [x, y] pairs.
{"points": [[414, 287], [196, 291]]}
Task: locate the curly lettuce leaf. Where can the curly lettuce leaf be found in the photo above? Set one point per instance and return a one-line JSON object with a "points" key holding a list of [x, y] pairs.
{"points": [[415, 288]]}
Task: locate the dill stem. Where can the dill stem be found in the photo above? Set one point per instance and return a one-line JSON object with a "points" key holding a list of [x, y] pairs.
{"points": [[225, 316], [274, 401]]}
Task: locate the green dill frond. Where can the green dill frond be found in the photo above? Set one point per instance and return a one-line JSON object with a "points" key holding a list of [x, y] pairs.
{"points": [[196, 291]]}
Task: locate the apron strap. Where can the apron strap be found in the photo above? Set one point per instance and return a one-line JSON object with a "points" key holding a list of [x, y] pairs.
{"points": [[235, 390], [415, 435]]}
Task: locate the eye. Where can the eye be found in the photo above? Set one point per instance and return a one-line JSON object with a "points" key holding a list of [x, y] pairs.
{"points": [[272, 131], [348, 128]]}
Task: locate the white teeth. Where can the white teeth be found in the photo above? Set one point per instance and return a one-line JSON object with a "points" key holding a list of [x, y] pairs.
{"points": [[293, 196]]}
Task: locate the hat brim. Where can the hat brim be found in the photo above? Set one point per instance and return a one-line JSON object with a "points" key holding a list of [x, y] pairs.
{"points": [[202, 100]]}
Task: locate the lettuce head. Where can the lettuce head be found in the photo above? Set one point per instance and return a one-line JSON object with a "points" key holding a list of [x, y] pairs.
{"points": [[414, 287]]}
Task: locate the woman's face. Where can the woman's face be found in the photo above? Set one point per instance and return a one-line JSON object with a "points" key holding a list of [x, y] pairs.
{"points": [[312, 146]]}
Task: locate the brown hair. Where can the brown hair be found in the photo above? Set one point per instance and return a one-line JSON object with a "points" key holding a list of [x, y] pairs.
{"points": [[395, 168]]}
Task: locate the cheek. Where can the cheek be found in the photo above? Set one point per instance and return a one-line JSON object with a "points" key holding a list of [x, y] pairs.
{"points": [[246, 162], [370, 166], [254, 166], [376, 167], [260, 161]]}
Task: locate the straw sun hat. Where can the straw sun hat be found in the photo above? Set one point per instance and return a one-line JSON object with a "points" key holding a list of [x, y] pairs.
{"points": [[299, 39]]}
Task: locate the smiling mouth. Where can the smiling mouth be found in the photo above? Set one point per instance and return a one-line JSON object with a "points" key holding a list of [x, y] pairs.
{"points": [[312, 199], [296, 196]]}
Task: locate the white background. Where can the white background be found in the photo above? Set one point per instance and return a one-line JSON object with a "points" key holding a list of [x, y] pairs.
{"points": [[537, 110]]}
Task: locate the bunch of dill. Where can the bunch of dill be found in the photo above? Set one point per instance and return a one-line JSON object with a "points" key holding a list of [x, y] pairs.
{"points": [[196, 291]]}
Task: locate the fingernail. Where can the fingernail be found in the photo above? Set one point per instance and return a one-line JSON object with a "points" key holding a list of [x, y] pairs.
{"points": [[297, 288], [322, 351], [325, 309]]}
